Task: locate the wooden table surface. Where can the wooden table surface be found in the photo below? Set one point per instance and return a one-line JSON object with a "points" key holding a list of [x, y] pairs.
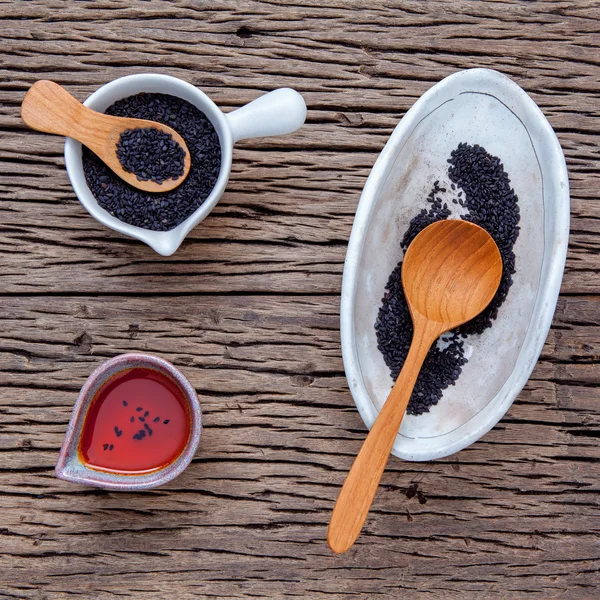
{"points": [[248, 309]]}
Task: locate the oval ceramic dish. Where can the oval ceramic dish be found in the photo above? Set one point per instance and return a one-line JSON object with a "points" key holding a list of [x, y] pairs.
{"points": [[477, 106]]}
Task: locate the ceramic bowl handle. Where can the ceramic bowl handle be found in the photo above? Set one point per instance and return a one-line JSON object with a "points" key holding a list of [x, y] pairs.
{"points": [[276, 113]]}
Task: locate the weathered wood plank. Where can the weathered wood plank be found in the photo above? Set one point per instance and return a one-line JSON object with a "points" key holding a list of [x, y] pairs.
{"points": [[514, 515], [241, 248], [280, 434]]}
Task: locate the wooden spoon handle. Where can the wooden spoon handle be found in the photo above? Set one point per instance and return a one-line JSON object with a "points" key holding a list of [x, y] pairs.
{"points": [[50, 108], [361, 484]]}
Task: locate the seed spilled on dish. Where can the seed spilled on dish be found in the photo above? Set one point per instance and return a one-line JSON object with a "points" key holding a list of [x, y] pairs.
{"points": [[490, 202]]}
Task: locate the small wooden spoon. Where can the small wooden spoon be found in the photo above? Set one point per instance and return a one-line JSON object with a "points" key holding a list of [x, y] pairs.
{"points": [[451, 272], [50, 108]]}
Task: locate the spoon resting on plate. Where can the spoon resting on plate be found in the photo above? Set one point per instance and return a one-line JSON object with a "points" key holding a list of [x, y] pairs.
{"points": [[48, 107], [450, 273]]}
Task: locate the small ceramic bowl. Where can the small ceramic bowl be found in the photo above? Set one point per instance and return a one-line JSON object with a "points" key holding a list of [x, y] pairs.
{"points": [[70, 467], [276, 113], [477, 106]]}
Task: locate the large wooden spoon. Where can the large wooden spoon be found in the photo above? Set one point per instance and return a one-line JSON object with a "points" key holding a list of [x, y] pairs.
{"points": [[451, 272], [50, 108]]}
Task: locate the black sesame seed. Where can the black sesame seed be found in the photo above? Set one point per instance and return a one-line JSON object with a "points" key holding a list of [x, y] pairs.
{"points": [[139, 409], [492, 204], [156, 419], [166, 421], [141, 419], [132, 419], [105, 446], [146, 413], [111, 447], [140, 208], [147, 427], [124, 402], [150, 154]]}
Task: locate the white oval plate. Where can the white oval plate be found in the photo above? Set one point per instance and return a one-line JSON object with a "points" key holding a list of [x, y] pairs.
{"points": [[477, 106]]}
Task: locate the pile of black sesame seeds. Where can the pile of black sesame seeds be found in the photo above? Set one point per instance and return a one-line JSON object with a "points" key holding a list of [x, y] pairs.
{"points": [[150, 154], [482, 188], [161, 211]]}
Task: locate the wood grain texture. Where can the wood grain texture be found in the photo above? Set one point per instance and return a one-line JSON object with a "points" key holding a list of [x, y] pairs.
{"points": [[248, 308]]}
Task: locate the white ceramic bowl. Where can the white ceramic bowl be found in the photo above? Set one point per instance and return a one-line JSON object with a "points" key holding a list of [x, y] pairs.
{"points": [[276, 113], [483, 107]]}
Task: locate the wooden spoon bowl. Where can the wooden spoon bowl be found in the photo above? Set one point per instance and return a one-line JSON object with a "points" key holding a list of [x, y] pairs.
{"points": [[48, 107], [451, 272]]}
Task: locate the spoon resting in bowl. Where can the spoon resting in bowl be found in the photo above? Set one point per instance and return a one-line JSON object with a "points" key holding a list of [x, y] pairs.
{"points": [[48, 107], [450, 273]]}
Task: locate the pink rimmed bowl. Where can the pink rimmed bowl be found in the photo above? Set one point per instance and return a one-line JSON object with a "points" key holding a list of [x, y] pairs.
{"points": [[70, 467]]}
